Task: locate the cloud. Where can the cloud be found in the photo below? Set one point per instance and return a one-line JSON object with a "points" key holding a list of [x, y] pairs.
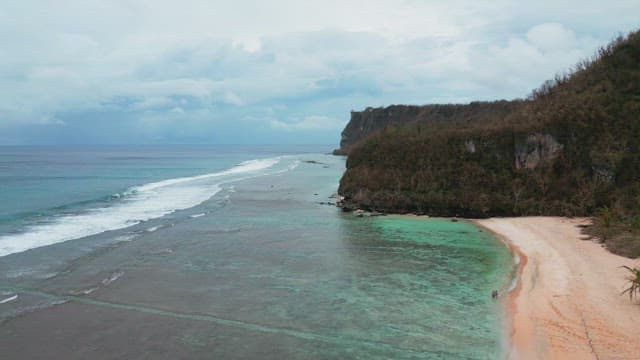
{"points": [[552, 37], [232, 98], [314, 122], [524, 62], [217, 68], [248, 44]]}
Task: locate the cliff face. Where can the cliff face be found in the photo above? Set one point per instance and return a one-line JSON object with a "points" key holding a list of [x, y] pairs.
{"points": [[363, 123], [371, 120], [469, 173], [572, 148]]}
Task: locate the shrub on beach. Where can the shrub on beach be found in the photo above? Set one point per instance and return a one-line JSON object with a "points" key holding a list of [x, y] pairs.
{"points": [[634, 282]]}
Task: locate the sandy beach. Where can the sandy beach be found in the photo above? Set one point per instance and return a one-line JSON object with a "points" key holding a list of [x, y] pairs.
{"points": [[567, 303]]}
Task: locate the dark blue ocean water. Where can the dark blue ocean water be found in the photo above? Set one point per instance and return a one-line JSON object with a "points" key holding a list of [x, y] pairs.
{"points": [[229, 252]]}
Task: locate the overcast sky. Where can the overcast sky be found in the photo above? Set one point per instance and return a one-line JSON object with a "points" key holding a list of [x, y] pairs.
{"points": [[241, 71]]}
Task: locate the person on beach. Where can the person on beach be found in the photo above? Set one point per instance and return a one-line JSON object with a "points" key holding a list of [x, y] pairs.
{"points": [[494, 294]]}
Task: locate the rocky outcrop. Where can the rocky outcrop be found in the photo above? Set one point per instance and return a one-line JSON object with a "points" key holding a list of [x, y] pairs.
{"points": [[535, 149]]}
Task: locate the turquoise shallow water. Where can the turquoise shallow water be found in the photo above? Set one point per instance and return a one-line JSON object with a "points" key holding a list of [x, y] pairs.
{"points": [[262, 269], [438, 275]]}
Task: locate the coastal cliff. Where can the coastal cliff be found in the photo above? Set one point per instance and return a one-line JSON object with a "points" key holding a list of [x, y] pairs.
{"points": [[571, 148], [370, 120]]}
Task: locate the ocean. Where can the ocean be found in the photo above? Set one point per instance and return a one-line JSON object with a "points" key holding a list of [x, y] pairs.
{"points": [[230, 252]]}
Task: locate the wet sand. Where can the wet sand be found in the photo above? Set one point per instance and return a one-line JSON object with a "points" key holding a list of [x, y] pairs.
{"points": [[567, 303]]}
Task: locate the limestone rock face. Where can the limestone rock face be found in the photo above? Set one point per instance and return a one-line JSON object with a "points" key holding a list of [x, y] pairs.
{"points": [[470, 146], [536, 149]]}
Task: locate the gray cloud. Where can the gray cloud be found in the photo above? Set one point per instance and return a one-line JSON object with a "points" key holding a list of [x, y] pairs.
{"points": [[198, 70]]}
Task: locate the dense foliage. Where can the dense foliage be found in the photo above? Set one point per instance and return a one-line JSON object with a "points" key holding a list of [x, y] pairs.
{"points": [[571, 148], [363, 123]]}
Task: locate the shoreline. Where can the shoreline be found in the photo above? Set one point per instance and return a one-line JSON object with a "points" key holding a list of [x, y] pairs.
{"points": [[508, 298], [566, 303], [509, 295]]}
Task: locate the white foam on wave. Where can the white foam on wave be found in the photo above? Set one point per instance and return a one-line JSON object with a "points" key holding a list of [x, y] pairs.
{"points": [[243, 167], [125, 238], [113, 277], [88, 291], [513, 284], [293, 165], [289, 167], [138, 204], [153, 228], [11, 298], [514, 279], [194, 216]]}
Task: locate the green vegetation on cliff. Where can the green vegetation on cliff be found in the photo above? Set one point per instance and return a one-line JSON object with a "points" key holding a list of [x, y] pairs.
{"points": [[572, 148], [364, 123]]}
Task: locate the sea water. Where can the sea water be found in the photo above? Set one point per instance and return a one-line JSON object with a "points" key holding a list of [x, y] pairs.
{"points": [[238, 252]]}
